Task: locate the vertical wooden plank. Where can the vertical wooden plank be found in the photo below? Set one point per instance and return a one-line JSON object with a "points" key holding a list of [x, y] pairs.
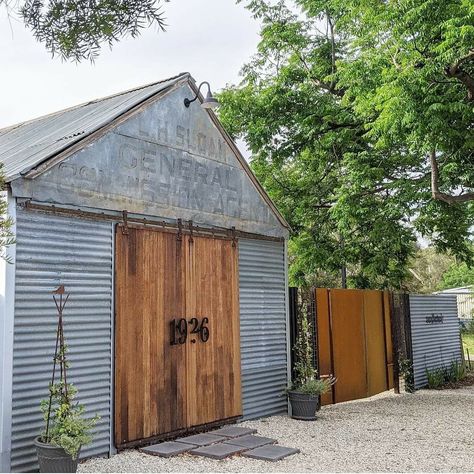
{"points": [[149, 292], [388, 338], [375, 342], [348, 334], [324, 339], [213, 367]]}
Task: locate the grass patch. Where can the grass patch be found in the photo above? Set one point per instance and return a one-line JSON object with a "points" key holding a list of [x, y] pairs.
{"points": [[468, 342]]}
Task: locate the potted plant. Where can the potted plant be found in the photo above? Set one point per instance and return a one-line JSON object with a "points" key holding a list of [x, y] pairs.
{"points": [[66, 430], [305, 391]]}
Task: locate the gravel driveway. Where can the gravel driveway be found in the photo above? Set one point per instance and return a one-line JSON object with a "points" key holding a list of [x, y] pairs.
{"points": [[426, 431]]}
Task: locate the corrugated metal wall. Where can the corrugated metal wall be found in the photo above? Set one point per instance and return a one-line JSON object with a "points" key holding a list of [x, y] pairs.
{"points": [[77, 253], [262, 327], [435, 343]]}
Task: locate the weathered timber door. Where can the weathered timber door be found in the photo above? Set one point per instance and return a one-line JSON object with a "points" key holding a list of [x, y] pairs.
{"points": [[177, 348]]}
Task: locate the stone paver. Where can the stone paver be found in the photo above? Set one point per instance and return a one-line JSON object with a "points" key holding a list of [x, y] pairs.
{"points": [[168, 449], [270, 453], [251, 441], [233, 431], [203, 439], [217, 451]]}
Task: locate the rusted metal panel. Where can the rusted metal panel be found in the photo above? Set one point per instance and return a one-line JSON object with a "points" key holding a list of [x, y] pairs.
{"points": [[354, 342], [324, 347], [375, 342], [348, 332], [167, 161]]}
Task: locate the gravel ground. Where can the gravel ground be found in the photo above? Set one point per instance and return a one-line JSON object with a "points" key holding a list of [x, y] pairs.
{"points": [[426, 431]]}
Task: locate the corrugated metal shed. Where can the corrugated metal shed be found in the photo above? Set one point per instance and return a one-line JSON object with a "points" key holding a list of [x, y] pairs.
{"points": [[435, 333], [262, 327], [26, 145], [77, 253]]}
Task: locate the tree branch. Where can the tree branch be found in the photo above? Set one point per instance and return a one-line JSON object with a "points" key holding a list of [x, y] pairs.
{"points": [[436, 193], [456, 71], [319, 83]]}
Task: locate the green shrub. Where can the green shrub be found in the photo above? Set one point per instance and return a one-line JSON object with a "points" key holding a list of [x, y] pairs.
{"points": [[442, 375], [314, 387], [67, 428], [455, 372], [306, 377], [65, 425], [436, 377], [406, 371]]}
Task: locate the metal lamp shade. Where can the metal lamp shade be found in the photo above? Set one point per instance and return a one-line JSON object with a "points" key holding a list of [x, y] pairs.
{"points": [[210, 102]]}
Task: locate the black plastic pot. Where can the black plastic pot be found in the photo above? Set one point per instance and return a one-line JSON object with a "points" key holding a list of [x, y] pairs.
{"points": [[54, 459], [303, 406]]}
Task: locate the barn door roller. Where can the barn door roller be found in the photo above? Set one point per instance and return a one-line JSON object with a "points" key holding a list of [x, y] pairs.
{"points": [[125, 222], [191, 238]]}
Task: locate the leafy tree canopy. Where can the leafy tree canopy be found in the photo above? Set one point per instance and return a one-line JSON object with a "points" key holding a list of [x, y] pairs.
{"points": [[426, 270], [458, 276], [77, 29], [359, 116]]}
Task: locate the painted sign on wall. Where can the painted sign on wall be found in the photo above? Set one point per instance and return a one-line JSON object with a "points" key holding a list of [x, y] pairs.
{"points": [[167, 161]]}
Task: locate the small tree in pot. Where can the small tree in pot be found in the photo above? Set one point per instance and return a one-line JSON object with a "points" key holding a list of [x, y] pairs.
{"points": [[66, 430], [305, 391]]}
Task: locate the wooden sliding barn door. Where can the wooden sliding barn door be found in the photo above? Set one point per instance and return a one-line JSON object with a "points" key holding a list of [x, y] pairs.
{"points": [[177, 345], [150, 390], [214, 367]]}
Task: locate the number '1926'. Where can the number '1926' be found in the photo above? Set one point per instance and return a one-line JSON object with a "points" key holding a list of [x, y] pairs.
{"points": [[181, 328]]}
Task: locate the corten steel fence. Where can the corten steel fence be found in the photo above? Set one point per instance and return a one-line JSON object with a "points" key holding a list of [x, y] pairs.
{"points": [[355, 342], [359, 336], [372, 341]]}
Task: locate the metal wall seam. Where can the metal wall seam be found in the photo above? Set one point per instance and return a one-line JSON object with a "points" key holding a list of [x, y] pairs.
{"points": [[51, 251], [263, 327], [112, 448], [7, 298], [435, 334]]}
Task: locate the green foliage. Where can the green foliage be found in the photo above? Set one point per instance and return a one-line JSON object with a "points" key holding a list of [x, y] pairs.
{"points": [[427, 269], [440, 376], [305, 380], [344, 107], [436, 378], [406, 371], [67, 428], [456, 372], [304, 352], [77, 29], [468, 340], [314, 387], [458, 276], [65, 424], [7, 236]]}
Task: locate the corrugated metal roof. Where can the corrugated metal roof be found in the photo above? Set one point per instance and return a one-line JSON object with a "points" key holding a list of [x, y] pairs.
{"points": [[26, 145]]}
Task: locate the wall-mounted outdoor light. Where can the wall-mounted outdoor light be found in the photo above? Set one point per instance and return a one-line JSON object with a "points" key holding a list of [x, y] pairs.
{"points": [[210, 102]]}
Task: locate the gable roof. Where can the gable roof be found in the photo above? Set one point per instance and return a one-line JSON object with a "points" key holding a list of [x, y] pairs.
{"points": [[38, 143], [26, 145]]}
